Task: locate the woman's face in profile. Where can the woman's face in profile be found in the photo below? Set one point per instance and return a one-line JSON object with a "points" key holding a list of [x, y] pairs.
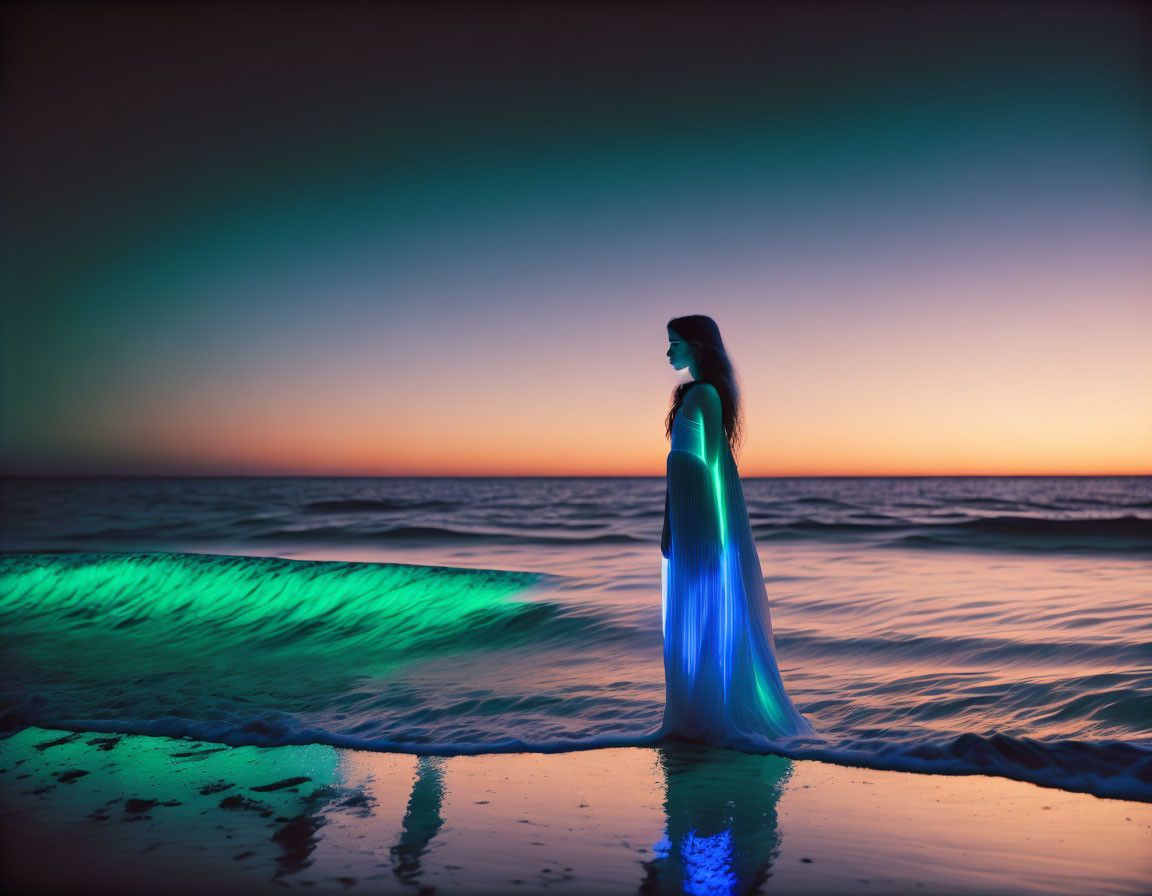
{"points": [[679, 352]]}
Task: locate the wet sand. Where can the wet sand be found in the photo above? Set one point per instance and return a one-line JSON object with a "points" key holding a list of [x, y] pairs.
{"points": [[88, 813]]}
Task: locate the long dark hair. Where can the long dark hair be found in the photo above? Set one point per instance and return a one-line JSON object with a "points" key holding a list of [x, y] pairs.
{"points": [[702, 334]]}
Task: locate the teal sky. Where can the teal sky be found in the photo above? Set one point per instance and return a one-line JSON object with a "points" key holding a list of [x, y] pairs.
{"points": [[328, 238]]}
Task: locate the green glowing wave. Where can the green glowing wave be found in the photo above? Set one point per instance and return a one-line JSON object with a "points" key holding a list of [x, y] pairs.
{"points": [[150, 609]]}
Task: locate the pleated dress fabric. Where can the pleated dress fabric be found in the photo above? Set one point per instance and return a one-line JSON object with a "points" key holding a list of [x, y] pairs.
{"points": [[721, 680]]}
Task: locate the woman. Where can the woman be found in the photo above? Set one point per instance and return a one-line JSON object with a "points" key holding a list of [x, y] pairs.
{"points": [[722, 684]]}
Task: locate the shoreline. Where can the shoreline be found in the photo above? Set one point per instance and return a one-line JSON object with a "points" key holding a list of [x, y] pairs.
{"points": [[90, 813]]}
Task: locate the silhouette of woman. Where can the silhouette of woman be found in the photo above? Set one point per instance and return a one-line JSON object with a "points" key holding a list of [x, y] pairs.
{"points": [[722, 685]]}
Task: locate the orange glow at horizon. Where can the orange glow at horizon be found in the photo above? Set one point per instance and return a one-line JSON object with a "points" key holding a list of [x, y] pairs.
{"points": [[946, 439], [1007, 371], [950, 390]]}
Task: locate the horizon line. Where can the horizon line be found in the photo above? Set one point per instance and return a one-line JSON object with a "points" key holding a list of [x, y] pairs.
{"points": [[175, 475]]}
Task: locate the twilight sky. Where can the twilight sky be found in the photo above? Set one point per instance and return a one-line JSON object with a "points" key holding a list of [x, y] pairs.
{"points": [[321, 238]]}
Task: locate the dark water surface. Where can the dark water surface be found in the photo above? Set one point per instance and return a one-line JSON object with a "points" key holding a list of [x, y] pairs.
{"points": [[955, 625]]}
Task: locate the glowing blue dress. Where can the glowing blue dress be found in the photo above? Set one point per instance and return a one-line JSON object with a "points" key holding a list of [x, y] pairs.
{"points": [[721, 680]]}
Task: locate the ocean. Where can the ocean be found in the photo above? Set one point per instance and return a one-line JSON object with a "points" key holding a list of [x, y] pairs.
{"points": [[985, 625]]}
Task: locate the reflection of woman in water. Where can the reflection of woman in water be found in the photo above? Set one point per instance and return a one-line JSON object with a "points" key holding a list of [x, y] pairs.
{"points": [[422, 820], [721, 680], [720, 832]]}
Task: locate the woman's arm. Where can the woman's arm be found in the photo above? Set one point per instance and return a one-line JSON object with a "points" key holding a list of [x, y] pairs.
{"points": [[707, 405], [666, 535]]}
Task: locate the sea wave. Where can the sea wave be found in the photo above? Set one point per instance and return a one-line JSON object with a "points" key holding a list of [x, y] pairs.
{"points": [[1110, 769], [1127, 533], [1122, 534], [988, 514], [440, 533], [1115, 769], [353, 505]]}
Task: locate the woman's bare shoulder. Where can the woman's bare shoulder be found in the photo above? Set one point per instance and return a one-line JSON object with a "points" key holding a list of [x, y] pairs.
{"points": [[702, 396]]}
